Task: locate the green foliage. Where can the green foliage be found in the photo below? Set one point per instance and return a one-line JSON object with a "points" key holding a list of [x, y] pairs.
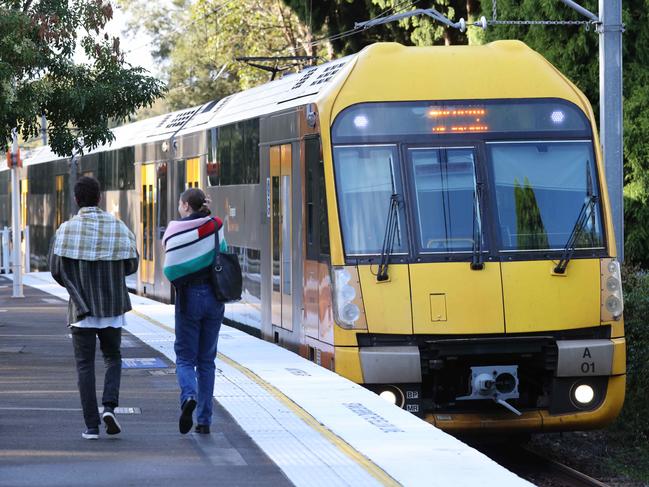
{"points": [[330, 17], [200, 41], [633, 423], [38, 74]]}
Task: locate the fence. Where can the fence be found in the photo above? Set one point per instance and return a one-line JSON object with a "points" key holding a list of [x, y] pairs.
{"points": [[6, 255]]}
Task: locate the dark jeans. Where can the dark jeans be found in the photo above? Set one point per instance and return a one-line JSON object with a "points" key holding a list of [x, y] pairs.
{"points": [[198, 321], [84, 341]]}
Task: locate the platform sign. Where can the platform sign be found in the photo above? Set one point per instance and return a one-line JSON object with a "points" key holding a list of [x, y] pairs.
{"points": [[143, 363]]}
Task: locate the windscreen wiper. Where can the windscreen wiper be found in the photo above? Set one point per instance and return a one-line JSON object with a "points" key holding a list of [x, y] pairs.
{"points": [[476, 260], [391, 226], [587, 208]]}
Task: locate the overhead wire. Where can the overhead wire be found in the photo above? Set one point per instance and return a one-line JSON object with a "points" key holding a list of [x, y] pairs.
{"points": [[399, 7]]}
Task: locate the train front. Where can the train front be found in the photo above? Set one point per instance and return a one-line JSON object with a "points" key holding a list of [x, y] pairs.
{"points": [[472, 247]]}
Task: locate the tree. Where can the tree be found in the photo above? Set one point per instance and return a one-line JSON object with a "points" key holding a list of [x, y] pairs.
{"points": [[202, 42], [339, 16], [38, 73]]}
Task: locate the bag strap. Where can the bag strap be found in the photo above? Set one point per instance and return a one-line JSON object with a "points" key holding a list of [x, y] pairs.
{"points": [[217, 247]]}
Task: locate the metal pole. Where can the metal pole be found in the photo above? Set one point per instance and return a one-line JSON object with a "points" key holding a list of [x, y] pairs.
{"points": [[610, 110], [15, 221], [44, 129], [6, 238], [581, 10], [74, 176]]}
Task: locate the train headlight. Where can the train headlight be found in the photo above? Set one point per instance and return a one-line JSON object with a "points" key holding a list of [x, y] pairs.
{"points": [[392, 394], [583, 394], [348, 311], [351, 313], [389, 396], [612, 284], [614, 305], [611, 294]]}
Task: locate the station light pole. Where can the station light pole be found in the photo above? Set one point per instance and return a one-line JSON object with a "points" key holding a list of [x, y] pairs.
{"points": [[610, 110]]}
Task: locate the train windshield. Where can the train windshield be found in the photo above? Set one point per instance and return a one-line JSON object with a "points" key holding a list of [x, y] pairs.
{"points": [[366, 177], [540, 189]]}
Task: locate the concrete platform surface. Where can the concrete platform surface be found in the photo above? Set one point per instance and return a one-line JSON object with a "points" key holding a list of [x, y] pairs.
{"points": [[316, 426], [41, 420]]}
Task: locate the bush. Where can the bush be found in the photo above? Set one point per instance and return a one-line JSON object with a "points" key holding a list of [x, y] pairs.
{"points": [[634, 419]]}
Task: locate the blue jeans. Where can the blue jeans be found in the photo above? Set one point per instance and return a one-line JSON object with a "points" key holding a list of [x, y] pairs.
{"points": [[198, 321]]}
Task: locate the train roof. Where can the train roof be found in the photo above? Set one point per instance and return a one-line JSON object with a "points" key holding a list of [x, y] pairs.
{"points": [[380, 72]]}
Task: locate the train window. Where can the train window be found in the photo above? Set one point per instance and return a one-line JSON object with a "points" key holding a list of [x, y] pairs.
{"points": [[317, 232], [213, 166], [239, 166], [541, 188], [161, 193], [445, 184], [181, 175], [310, 196], [366, 178], [224, 154], [323, 222], [126, 169], [237, 155], [253, 151]]}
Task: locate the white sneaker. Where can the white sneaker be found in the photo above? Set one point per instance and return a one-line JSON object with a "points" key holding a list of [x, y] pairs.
{"points": [[112, 425], [90, 434]]}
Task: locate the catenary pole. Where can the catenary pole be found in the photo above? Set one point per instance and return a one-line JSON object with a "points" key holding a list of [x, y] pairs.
{"points": [[17, 269], [610, 110]]}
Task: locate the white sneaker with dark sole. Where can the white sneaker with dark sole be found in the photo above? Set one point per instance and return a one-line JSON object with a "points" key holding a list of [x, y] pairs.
{"points": [[90, 434], [112, 425]]}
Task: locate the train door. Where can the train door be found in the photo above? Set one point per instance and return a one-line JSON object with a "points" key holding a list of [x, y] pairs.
{"points": [[60, 200], [450, 294], [24, 188], [147, 264], [192, 173], [281, 236]]}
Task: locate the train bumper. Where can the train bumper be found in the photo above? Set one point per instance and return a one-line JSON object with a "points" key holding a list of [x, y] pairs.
{"points": [[537, 421]]}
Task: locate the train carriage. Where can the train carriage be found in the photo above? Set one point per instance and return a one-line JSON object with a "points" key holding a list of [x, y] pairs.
{"points": [[430, 222]]}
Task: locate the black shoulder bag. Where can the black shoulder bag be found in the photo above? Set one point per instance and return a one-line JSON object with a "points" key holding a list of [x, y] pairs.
{"points": [[225, 274]]}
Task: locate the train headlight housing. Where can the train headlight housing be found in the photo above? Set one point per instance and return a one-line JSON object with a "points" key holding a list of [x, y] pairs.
{"points": [[348, 306], [611, 290]]}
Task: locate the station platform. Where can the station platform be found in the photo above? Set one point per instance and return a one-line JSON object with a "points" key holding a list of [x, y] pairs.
{"points": [[279, 419]]}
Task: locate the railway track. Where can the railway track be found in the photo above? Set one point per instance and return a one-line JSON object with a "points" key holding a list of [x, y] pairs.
{"points": [[537, 469]]}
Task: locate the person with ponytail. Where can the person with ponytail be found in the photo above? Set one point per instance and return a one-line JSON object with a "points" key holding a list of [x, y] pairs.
{"points": [[190, 245]]}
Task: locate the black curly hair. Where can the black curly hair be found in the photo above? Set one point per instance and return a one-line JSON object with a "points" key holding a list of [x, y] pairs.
{"points": [[87, 191]]}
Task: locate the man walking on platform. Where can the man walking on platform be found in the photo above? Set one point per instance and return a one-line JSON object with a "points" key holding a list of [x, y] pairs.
{"points": [[90, 256]]}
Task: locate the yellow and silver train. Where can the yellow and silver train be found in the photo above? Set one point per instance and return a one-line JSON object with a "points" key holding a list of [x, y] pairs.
{"points": [[430, 222]]}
